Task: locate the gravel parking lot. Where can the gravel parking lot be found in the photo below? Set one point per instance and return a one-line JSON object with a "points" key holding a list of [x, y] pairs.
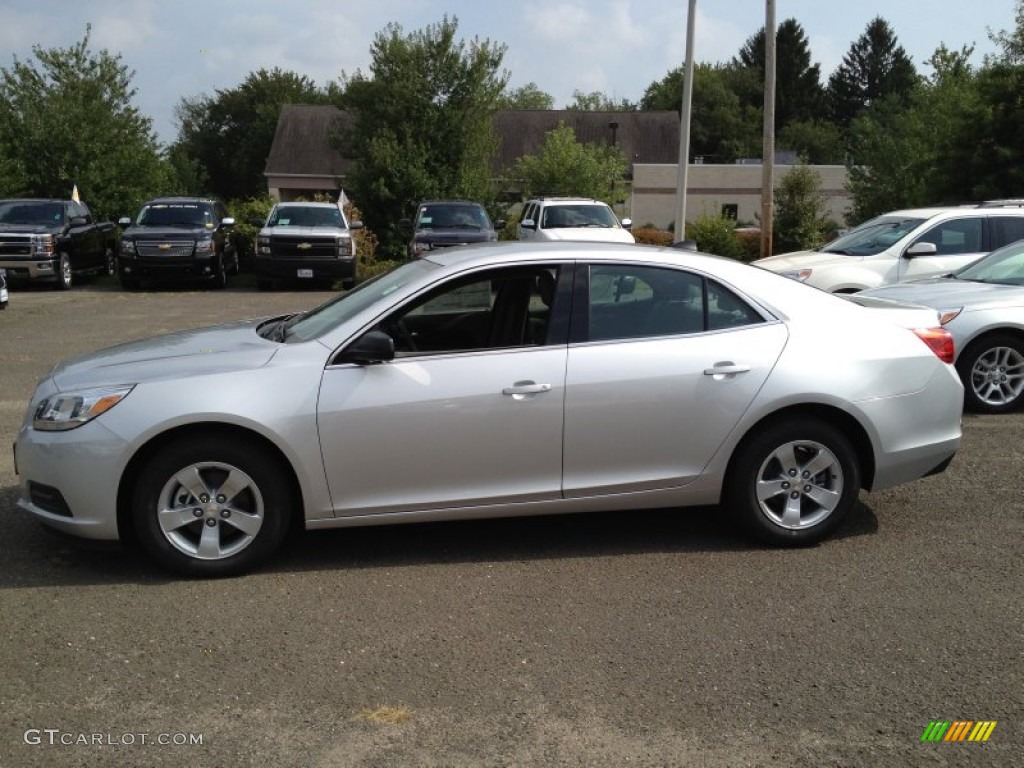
{"points": [[660, 638]]}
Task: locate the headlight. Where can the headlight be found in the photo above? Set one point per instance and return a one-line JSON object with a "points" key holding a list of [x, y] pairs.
{"points": [[946, 315], [205, 246], [419, 247], [800, 275], [127, 247], [345, 249], [43, 245], [68, 410]]}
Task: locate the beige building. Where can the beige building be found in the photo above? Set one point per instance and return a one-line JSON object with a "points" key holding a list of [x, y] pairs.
{"points": [[303, 161]]}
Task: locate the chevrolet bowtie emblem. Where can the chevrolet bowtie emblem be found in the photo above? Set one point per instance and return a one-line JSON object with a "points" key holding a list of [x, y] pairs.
{"points": [[165, 246], [304, 246]]}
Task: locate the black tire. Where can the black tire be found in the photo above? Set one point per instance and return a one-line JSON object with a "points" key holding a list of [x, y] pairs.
{"points": [[236, 265], [110, 261], [237, 530], [992, 371], [64, 275], [767, 490], [220, 277]]}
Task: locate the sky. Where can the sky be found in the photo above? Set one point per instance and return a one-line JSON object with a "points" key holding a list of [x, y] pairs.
{"points": [[186, 48]]}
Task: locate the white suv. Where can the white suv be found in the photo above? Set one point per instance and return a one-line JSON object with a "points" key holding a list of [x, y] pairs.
{"points": [[571, 218], [904, 245]]}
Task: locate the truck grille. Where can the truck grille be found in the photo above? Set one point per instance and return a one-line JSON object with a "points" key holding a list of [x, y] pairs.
{"points": [[165, 249], [15, 245], [303, 248]]}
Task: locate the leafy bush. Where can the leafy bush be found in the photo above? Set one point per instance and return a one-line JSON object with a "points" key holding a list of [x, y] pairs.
{"points": [[801, 222], [715, 234], [243, 235], [650, 235]]}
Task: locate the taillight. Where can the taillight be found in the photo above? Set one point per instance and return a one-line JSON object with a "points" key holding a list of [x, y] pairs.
{"points": [[941, 342]]}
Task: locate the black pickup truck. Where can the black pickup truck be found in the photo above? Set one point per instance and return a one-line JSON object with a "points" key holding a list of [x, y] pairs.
{"points": [[54, 241]]}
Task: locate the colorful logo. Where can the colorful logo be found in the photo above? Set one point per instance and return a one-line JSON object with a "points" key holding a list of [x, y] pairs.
{"points": [[958, 730]]}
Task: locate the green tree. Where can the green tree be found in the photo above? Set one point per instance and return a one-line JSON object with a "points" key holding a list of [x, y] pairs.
{"points": [[564, 166], [1012, 41], [817, 141], [66, 120], [598, 101], [798, 91], [229, 134], [801, 221], [529, 96], [875, 68], [421, 123]]}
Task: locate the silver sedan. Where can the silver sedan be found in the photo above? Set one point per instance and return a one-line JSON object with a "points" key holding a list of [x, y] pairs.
{"points": [[982, 305], [495, 380]]}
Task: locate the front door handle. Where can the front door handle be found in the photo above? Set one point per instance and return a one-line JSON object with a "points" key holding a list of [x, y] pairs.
{"points": [[526, 388], [724, 369]]}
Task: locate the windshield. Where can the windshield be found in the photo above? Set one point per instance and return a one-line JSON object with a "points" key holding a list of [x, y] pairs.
{"points": [[584, 215], [326, 317], [306, 216], [16, 212], [176, 215], [452, 216], [873, 236], [1005, 266]]}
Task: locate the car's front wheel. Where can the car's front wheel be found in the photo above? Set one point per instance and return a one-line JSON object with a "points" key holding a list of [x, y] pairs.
{"points": [[992, 370], [64, 278], [211, 506], [793, 482]]}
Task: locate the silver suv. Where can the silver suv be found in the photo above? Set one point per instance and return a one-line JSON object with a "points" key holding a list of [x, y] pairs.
{"points": [[905, 245], [571, 218]]}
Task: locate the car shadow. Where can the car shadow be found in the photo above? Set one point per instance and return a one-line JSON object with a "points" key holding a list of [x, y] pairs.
{"points": [[37, 556]]}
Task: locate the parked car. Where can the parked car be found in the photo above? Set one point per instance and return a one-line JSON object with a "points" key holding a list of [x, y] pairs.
{"points": [[571, 218], [904, 245], [496, 380], [54, 241], [982, 305], [4, 297], [178, 238], [306, 242], [446, 223]]}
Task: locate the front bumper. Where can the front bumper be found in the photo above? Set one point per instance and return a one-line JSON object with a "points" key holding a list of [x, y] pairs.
{"points": [[203, 267], [305, 269], [31, 268]]}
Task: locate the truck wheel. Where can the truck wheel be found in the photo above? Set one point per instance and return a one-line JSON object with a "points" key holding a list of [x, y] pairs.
{"points": [[64, 275], [220, 276], [110, 260]]}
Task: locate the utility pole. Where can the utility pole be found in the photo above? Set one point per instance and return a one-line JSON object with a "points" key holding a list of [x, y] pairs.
{"points": [[768, 151], [684, 127]]}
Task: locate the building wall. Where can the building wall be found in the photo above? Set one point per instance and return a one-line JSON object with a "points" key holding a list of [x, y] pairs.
{"points": [[286, 189], [709, 187]]}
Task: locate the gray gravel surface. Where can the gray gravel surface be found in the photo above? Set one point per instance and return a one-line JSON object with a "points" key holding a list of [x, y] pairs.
{"points": [[659, 638]]}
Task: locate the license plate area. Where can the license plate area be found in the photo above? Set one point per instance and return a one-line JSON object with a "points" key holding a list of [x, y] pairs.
{"points": [[304, 273]]}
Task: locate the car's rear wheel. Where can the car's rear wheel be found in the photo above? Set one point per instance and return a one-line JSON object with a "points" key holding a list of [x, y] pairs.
{"points": [[992, 370], [211, 506], [220, 275], [793, 482]]}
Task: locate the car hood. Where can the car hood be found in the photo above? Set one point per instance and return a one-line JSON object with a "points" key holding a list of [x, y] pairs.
{"points": [[948, 292], [217, 349], [304, 231], [591, 234], [30, 229], [166, 233], [453, 236], [800, 260]]}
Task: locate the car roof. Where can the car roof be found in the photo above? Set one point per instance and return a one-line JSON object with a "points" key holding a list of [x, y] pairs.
{"points": [[183, 199], [452, 202], [305, 204]]}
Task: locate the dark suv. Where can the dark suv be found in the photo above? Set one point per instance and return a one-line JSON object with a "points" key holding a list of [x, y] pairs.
{"points": [[444, 223], [178, 238]]}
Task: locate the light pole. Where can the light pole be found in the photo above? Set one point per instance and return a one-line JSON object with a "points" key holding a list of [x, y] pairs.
{"points": [[684, 126], [768, 151]]}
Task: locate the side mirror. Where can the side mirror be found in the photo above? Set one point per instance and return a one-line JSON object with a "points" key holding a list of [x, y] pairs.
{"points": [[528, 224], [921, 249], [355, 225], [627, 223], [124, 221], [499, 224], [227, 221], [78, 221], [371, 348]]}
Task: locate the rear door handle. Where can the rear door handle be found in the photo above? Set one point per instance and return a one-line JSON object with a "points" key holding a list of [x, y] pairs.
{"points": [[526, 388], [725, 369]]}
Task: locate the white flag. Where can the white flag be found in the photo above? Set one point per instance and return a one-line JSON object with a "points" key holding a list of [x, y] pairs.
{"points": [[342, 199], [74, 194]]}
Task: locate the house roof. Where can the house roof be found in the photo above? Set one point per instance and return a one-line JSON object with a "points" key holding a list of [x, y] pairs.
{"points": [[302, 142]]}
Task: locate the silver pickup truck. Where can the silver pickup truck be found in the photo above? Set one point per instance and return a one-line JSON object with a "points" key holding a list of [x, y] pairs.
{"points": [[302, 242]]}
